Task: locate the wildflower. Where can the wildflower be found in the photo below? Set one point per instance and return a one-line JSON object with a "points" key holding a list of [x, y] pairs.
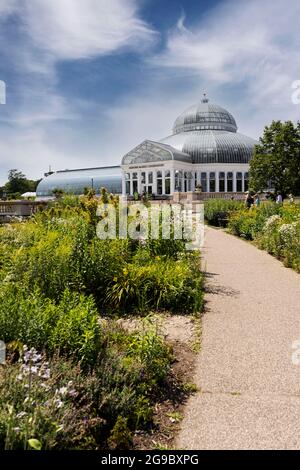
{"points": [[17, 429], [271, 222], [44, 374], [21, 415], [287, 233], [62, 391], [59, 404]]}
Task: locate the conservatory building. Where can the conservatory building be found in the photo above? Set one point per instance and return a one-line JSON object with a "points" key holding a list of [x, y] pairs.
{"points": [[205, 151]]}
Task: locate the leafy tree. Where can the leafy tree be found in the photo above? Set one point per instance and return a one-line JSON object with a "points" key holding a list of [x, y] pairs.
{"points": [[277, 159], [18, 183]]}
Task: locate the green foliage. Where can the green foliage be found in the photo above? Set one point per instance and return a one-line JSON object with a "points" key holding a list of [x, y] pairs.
{"points": [[121, 437], [217, 211], [18, 184], [157, 284], [274, 228], [277, 159], [58, 250], [56, 276], [43, 405]]}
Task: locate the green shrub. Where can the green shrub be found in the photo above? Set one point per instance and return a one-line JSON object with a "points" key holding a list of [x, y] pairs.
{"points": [[217, 211], [70, 327], [158, 284], [273, 227]]}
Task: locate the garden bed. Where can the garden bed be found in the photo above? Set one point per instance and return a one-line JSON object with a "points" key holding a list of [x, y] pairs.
{"points": [[70, 363]]}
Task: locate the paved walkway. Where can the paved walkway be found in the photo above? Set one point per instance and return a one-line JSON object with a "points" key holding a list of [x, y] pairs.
{"points": [[249, 388]]}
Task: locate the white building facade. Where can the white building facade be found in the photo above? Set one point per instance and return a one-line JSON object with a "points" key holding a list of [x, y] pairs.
{"points": [[204, 152]]}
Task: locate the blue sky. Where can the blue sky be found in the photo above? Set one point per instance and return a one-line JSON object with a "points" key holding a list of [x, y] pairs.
{"points": [[88, 80]]}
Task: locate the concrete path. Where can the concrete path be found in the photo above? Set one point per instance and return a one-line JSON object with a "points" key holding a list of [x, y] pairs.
{"points": [[249, 387]]}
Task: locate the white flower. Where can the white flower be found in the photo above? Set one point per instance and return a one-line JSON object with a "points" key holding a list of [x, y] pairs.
{"points": [[63, 391], [21, 415], [44, 374], [288, 233], [272, 221], [59, 404]]}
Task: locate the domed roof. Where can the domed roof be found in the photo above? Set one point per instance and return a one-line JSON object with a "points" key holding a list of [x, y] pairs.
{"points": [[205, 116], [213, 146]]}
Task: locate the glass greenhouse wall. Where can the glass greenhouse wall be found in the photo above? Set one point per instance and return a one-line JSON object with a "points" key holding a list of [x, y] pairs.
{"points": [[75, 181]]}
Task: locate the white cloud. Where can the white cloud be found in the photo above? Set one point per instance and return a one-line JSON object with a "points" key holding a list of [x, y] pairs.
{"points": [[245, 54], [254, 43], [78, 29], [46, 33]]}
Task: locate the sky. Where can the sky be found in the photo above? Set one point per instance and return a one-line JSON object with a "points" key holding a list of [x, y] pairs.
{"points": [[86, 81]]}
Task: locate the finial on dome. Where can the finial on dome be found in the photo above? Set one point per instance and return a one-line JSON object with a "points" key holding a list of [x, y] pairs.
{"points": [[204, 99]]}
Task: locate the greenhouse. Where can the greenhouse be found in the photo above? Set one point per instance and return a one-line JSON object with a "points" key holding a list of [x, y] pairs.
{"points": [[204, 152], [76, 181]]}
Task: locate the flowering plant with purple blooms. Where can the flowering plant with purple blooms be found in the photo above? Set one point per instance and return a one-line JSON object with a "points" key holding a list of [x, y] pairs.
{"points": [[37, 406]]}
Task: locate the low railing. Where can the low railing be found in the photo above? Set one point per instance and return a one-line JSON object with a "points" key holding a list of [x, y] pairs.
{"points": [[235, 196], [20, 208]]}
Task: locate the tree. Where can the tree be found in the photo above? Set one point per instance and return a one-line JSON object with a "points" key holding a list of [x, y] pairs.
{"points": [[18, 183], [276, 159]]}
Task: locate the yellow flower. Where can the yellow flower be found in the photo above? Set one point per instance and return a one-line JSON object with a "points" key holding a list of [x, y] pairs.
{"points": [[158, 258], [125, 271], [115, 279]]}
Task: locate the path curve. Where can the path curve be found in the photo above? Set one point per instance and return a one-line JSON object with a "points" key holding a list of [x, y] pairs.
{"points": [[249, 394]]}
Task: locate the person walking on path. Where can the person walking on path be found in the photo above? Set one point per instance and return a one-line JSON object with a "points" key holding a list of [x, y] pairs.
{"points": [[279, 199]]}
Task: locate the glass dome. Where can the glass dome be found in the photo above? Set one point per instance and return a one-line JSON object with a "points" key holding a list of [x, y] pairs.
{"points": [[205, 116], [208, 133]]}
